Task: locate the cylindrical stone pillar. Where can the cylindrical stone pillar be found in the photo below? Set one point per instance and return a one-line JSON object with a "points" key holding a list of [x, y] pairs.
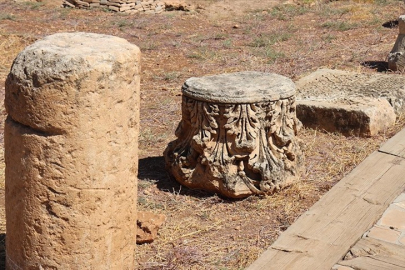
{"points": [[71, 153]]}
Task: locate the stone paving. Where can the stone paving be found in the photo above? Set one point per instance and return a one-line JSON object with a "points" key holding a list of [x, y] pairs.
{"points": [[390, 228], [358, 224]]}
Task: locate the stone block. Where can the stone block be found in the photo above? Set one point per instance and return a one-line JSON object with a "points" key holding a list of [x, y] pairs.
{"points": [[358, 116], [400, 200], [354, 97], [71, 153], [393, 217], [384, 234]]}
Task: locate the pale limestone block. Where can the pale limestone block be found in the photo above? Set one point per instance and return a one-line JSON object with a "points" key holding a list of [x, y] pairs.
{"points": [[350, 102], [358, 116], [385, 234], [393, 217], [400, 200]]}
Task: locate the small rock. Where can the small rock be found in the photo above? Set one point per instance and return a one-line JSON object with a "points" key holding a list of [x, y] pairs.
{"points": [[171, 5], [148, 225], [236, 26]]}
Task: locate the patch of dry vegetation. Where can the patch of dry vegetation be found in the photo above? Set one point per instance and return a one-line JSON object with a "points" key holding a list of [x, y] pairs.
{"points": [[204, 231]]}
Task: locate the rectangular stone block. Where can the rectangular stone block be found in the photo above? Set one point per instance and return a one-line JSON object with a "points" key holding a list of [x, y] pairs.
{"points": [[349, 102], [356, 116]]}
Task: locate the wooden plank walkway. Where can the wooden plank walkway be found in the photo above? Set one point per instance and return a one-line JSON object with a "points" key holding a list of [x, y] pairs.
{"points": [[326, 232]]}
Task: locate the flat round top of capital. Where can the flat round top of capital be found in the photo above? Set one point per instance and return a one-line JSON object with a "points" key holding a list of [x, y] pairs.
{"points": [[84, 44], [239, 88]]}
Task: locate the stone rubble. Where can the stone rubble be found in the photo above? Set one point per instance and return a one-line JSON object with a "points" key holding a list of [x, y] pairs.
{"points": [[148, 225], [131, 6]]}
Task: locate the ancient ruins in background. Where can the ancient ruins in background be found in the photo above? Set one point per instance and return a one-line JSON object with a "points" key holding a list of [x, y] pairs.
{"points": [[131, 6]]}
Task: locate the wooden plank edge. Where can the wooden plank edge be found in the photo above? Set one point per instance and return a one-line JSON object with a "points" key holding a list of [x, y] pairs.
{"points": [[264, 261], [396, 145]]}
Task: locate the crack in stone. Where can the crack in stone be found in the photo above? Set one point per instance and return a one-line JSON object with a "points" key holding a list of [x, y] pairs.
{"points": [[391, 154], [51, 212], [370, 201], [287, 250], [33, 130]]}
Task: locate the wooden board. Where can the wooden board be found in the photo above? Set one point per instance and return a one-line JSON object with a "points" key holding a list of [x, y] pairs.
{"points": [[396, 145], [324, 234], [373, 254]]}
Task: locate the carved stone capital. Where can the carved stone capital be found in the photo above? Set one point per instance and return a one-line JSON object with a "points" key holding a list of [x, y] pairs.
{"points": [[236, 142]]}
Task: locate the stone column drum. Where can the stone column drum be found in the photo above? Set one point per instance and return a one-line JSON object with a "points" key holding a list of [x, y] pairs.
{"points": [[71, 153], [396, 58], [237, 135]]}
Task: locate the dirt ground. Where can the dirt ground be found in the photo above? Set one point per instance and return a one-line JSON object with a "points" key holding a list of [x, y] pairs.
{"points": [[294, 38]]}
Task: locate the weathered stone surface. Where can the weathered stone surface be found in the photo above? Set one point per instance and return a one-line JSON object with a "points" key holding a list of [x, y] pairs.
{"points": [[359, 116], [341, 267], [385, 234], [348, 94], [393, 217], [237, 135], [400, 201], [128, 6], [148, 226], [71, 153], [396, 58], [402, 239], [178, 5], [239, 88]]}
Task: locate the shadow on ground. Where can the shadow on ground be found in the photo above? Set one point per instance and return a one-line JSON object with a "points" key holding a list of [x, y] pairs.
{"points": [[2, 251], [379, 66], [152, 169], [391, 24]]}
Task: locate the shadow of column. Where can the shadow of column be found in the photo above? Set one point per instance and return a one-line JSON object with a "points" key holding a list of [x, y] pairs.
{"points": [[2, 251], [153, 169]]}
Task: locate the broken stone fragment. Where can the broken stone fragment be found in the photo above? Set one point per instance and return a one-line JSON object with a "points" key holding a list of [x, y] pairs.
{"points": [[148, 226]]}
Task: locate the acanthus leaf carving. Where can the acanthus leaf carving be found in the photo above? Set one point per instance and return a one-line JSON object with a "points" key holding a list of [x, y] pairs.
{"points": [[236, 149]]}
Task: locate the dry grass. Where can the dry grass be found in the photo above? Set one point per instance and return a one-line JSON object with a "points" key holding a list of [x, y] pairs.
{"points": [[10, 46], [205, 231]]}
